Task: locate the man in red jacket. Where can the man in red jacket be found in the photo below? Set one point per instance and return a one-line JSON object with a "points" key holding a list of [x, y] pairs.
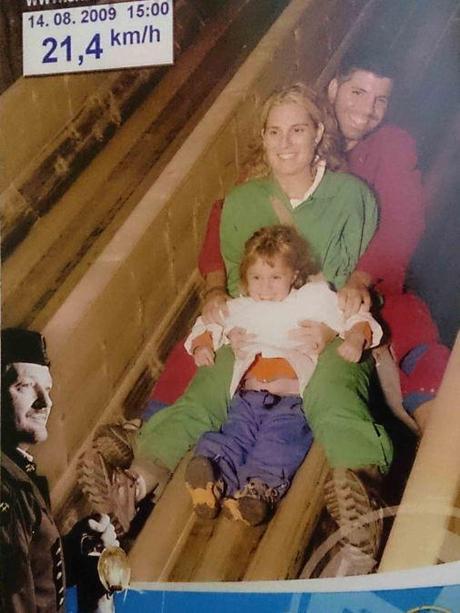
{"points": [[385, 157]]}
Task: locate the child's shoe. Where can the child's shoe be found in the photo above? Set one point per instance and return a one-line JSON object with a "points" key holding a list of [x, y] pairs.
{"points": [[204, 486], [253, 505]]}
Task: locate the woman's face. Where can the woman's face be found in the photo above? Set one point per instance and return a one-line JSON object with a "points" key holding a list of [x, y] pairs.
{"points": [[290, 138]]}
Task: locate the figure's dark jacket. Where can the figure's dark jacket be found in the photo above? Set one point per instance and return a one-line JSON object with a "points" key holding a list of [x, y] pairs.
{"points": [[31, 553]]}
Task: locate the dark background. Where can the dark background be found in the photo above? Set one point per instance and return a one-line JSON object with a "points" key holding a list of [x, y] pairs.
{"points": [[426, 102]]}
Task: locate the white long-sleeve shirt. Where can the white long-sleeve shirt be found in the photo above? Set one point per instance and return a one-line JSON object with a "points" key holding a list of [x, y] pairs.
{"points": [[271, 322]]}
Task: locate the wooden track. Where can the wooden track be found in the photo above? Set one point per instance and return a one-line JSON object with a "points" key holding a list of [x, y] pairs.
{"points": [[175, 545]]}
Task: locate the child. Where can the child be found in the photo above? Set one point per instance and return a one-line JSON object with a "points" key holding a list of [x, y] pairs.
{"points": [[254, 456]]}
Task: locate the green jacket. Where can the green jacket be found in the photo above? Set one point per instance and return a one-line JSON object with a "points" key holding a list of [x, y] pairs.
{"points": [[338, 220]]}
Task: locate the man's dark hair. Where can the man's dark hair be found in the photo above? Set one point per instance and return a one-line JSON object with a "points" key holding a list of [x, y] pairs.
{"points": [[21, 345], [367, 56]]}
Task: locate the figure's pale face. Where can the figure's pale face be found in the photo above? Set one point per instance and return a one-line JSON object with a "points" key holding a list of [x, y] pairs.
{"points": [[360, 104], [269, 281], [30, 402], [290, 139]]}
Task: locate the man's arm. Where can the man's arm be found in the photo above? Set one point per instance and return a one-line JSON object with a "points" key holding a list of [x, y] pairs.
{"points": [[212, 269], [214, 297], [388, 162], [210, 259], [16, 578], [358, 232]]}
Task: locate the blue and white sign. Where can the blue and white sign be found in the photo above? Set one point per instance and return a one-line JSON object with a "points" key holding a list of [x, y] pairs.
{"points": [[99, 37]]}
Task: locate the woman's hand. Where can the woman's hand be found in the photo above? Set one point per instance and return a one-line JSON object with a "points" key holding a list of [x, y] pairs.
{"points": [[239, 340], [203, 356], [354, 295], [312, 336], [215, 307]]}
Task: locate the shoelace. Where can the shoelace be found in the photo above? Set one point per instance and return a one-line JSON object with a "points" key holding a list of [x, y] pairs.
{"points": [[259, 489]]}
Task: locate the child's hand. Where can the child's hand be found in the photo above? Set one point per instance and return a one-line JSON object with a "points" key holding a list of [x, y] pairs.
{"points": [[311, 336], [203, 356], [357, 339], [351, 349], [239, 340]]}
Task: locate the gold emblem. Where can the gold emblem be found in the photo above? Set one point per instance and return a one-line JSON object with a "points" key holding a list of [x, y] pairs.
{"points": [[113, 569]]}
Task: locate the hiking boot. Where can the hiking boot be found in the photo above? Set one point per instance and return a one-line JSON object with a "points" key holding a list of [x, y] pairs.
{"points": [[352, 501], [253, 505], [346, 561], [204, 486], [115, 442], [108, 490]]}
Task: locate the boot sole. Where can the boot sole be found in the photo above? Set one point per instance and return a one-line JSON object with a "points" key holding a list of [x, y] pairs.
{"points": [[200, 481], [348, 502], [115, 442], [95, 482], [250, 511]]}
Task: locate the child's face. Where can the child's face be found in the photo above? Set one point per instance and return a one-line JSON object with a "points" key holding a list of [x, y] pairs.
{"points": [[269, 281]]}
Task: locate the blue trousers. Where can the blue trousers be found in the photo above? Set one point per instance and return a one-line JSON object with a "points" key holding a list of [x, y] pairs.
{"points": [[265, 437]]}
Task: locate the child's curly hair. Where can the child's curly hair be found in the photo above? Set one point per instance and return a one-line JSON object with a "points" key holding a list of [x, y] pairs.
{"points": [[282, 241]]}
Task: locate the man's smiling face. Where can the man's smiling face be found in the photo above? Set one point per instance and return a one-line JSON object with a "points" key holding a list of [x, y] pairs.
{"points": [[31, 404], [360, 103]]}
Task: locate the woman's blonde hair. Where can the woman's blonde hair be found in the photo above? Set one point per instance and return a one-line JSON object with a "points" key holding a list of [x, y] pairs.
{"points": [[282, 241], [329, 148]]}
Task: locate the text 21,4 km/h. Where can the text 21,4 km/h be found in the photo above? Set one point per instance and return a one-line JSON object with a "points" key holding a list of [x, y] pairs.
{"points": [[94, 48]]}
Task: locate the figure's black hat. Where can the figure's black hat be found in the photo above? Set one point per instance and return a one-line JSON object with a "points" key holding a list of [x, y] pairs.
{"points": [[20, 345]]}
